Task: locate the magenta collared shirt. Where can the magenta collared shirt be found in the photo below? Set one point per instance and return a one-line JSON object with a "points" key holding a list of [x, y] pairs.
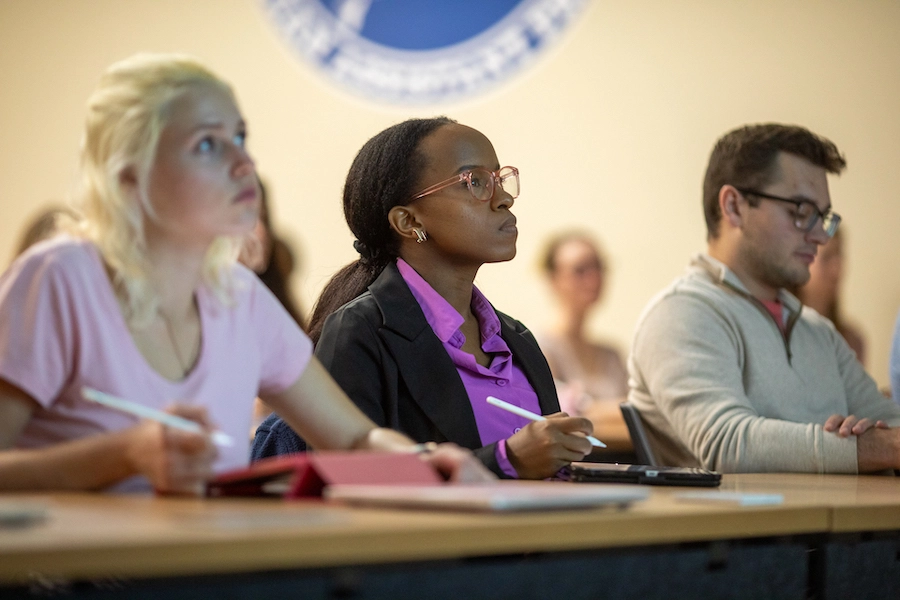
{"points": [[502, 378]]}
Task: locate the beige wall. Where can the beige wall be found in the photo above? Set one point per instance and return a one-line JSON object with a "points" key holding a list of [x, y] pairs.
{"points": [[611, 129]]}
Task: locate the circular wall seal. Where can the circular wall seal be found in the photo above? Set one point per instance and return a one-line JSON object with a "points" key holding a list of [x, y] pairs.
{"points": [[421, 51]]}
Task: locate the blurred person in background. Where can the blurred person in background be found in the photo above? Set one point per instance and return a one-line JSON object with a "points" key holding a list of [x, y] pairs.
{"points": [[591, 376], [895, 363], [47, 223], [822, 292], [272, 259]]}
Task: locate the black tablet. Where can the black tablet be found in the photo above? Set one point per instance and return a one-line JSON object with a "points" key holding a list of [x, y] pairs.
{"points": [[616, 473]]}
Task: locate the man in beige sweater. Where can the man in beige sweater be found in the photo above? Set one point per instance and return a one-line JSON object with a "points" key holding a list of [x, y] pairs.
{"points": [[727, 368]]}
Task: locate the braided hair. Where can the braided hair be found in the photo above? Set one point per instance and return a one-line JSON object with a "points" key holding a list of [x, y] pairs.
{"points": [[381, 177]]}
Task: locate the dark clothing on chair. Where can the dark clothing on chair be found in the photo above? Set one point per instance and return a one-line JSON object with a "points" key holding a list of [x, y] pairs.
{"points": [[274, 437]]}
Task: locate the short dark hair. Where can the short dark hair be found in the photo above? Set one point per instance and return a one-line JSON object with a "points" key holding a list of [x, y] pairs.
{"points": [[746, 158]]}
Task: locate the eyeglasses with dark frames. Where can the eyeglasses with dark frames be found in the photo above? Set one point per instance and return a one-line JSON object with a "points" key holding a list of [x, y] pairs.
{"points": [[481, 183], [807, 214]]}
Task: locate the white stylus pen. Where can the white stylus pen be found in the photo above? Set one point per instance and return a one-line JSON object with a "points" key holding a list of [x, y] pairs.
{"points": [[145, 412], [516, 410]]}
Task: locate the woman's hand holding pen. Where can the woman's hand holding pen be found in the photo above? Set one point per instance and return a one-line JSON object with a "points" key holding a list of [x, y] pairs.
{"points": [[542, 448], [175, 461]]}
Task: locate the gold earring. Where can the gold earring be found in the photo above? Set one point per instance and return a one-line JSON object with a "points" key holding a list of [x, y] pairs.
{"points": [[421, 236]]}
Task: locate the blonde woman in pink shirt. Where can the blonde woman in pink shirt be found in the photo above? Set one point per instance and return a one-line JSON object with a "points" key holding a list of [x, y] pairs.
{"points": [[146, 301]]}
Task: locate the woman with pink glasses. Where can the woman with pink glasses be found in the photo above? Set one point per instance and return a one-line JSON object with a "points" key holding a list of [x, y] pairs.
{"points": [[404, 330]]}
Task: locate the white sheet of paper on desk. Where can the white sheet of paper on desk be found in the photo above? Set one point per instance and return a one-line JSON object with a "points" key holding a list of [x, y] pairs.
{"points": [[740, 498], [494, 496]]}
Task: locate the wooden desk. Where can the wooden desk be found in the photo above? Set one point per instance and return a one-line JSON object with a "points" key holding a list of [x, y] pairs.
{"points": [[860, 558], [856, 503], [91, 536], [87, 535]]}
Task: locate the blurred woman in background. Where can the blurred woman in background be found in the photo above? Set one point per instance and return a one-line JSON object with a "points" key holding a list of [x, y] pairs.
{"points": [[272, 259], [822, 292], [591, 377], [47, 223]]}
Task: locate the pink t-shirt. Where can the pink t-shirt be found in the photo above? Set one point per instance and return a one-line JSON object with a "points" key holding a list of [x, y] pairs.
{"points": [[61, 328]]}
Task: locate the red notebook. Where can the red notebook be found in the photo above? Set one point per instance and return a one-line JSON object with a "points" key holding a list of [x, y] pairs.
{"points": [[306, 474]]}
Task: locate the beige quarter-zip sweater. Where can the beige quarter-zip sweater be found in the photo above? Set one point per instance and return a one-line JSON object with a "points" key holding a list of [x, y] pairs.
{"points": [[719, 385]]}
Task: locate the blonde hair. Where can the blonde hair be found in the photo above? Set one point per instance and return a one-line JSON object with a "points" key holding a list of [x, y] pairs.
{"points": [[126, 114]]}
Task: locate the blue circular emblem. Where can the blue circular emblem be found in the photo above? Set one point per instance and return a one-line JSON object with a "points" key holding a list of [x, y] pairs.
{"points": [[421, 51]]}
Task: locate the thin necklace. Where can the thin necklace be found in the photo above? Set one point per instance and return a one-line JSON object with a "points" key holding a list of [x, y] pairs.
{"points": [[182, 364]]}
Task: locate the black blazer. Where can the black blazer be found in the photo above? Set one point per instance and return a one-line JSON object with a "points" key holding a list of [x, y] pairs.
{"points": [[383, 353]]}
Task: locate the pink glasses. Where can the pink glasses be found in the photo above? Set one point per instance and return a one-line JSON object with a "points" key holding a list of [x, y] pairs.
{"points": [[481, 183]]}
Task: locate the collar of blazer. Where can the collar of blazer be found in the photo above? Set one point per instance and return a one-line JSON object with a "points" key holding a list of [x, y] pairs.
{"points": [[430, 374]]}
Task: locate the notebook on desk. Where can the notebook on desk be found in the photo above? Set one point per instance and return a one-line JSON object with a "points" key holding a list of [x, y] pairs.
{"points": [[493, 496], [306, 474], [643, 474]]}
